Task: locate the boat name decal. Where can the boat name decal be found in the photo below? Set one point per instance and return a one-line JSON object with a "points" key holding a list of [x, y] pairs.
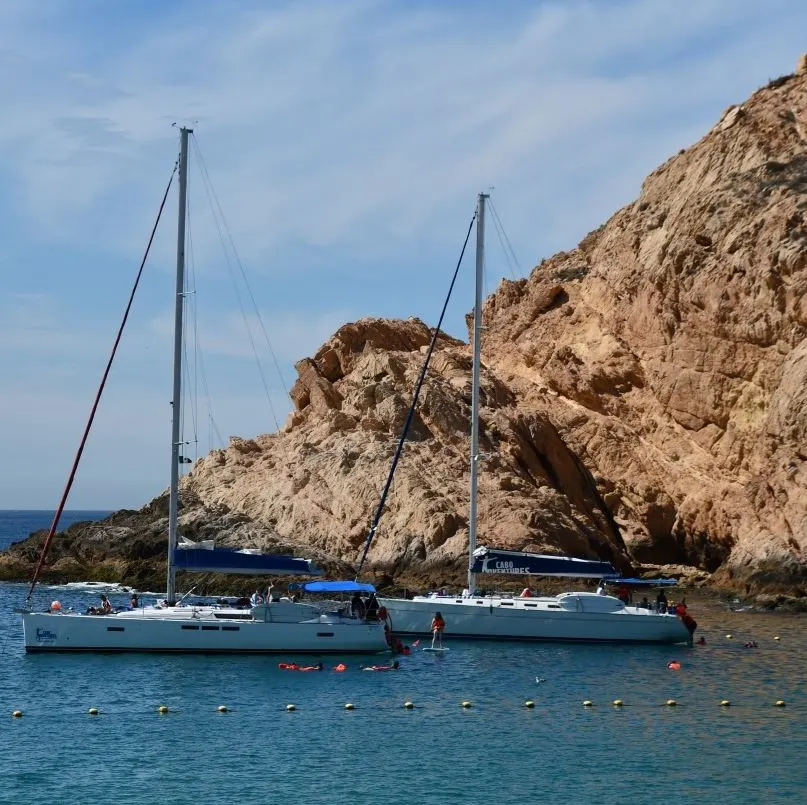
{"points": [[45, 635], [501, 566]]}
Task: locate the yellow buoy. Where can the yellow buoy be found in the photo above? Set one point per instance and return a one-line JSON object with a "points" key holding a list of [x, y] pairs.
{"points": [[408, 705], [162, 709], [728, 637], [93, 711], [780, 703], [725, 703], [348, 706], [588, 703], [671, 703], [291, 707], [222, 708], [17, 714], [618, 702], [529, 703], [466, 705], [776, 637]]}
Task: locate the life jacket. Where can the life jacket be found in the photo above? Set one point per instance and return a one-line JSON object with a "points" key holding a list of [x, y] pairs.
{"points": [[439, 623], [340, 667], [288, 666]]}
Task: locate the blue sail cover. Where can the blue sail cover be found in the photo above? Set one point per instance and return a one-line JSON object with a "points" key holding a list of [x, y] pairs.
{"points": [[492, 560], [230, 560]]}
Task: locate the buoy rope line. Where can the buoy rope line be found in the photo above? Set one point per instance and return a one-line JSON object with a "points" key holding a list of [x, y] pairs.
{"points": [[412, 704]]}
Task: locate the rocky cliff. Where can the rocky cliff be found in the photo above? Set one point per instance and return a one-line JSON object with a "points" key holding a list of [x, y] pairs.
{"points": [[644, 395]]}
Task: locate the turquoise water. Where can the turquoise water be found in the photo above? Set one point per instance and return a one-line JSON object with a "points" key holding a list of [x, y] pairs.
{"points": [[496, 751]]}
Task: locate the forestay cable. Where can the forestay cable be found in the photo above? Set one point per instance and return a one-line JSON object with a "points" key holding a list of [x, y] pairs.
{"points": [[411, 413]]}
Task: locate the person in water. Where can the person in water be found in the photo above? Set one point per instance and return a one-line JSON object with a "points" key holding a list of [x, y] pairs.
{"points": [[394, 667], [438, 625]]}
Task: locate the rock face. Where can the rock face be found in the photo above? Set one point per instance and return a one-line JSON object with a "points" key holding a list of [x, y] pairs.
{"points": [[321, 478], [672, 358], [644, 395]]}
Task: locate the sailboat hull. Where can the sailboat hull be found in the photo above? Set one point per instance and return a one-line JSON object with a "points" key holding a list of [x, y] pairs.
{"points": [[584, 618], [47, 632]]}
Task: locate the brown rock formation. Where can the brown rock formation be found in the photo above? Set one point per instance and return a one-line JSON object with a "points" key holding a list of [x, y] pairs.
{"points": [[321, 478], [644, 395]]}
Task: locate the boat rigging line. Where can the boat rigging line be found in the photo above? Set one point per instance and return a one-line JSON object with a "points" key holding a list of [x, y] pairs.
{"points": [[214, 437], [507, 247], [58, 514], [411, 412], [223, 228]]}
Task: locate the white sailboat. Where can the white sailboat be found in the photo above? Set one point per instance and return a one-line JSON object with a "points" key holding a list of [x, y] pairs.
{"points": [[571, 616], [283, 625]]}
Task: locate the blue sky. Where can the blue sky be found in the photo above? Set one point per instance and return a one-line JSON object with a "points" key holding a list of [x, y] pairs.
{"points": [[346, 142]]}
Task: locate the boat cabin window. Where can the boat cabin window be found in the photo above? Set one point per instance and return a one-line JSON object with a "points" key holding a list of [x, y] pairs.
{"points": [[210, 628], [530, 605], [506, 604], [115, 628], [230, 628], [190, 626]]}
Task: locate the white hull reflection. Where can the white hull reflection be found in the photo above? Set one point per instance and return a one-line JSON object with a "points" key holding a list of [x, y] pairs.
{"points": [[584, 617]]}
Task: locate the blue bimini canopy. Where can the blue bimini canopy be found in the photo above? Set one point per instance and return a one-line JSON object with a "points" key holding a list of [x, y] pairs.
{"points": [[333, 587], [492, 560], [230, 560]]}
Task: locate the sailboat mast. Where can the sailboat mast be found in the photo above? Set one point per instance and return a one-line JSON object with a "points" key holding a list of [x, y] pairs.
{"points": [[477, 348], [176, 402]]}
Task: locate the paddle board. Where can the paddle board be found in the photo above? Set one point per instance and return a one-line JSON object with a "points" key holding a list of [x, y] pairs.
{"points": [[436, 650]]}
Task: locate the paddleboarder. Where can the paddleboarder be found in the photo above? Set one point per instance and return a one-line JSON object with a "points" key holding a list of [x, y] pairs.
{"points": [[438, 624]]}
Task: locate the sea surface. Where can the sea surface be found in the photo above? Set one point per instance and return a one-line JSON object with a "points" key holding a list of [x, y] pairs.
{"points": [[495, 751]]}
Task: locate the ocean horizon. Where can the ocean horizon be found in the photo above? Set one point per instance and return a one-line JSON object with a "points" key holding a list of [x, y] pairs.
{"points": [[18, 524]]}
